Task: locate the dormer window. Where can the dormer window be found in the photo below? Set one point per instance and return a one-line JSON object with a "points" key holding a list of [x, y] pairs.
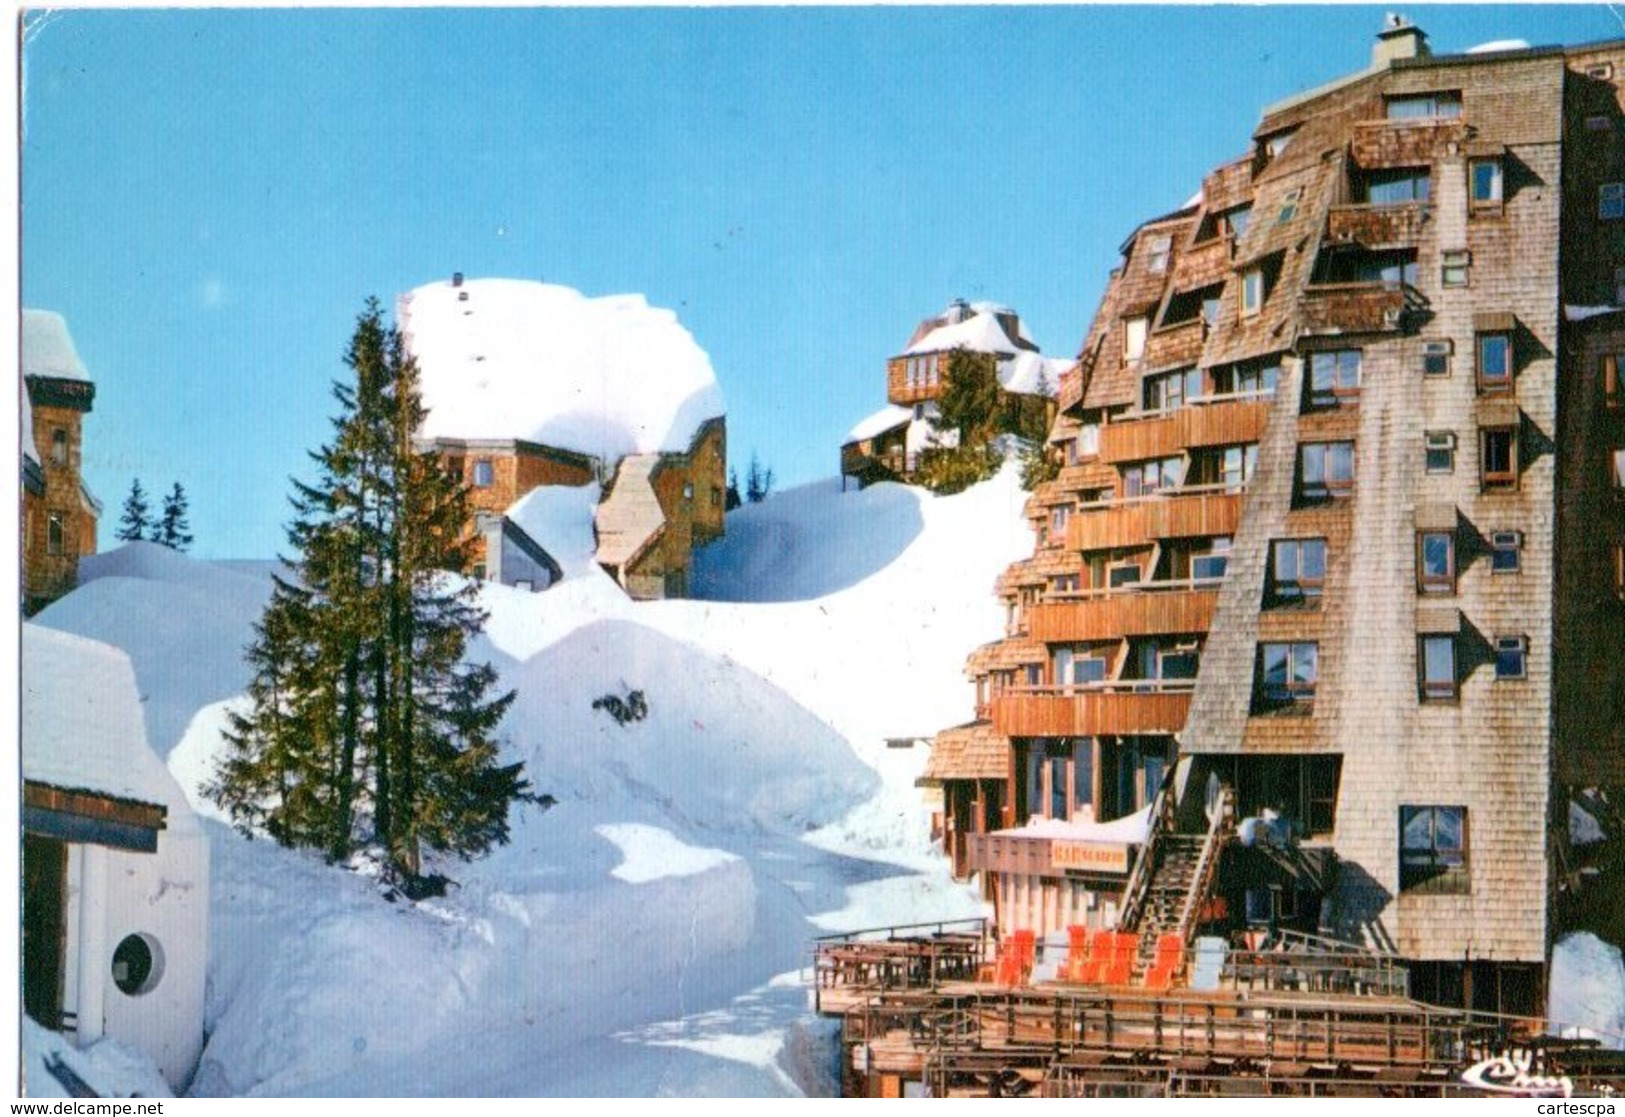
{"points": [[1134, 330], [1156, 260], [1444, 105], [1172, 390], [1484, 175], [1252, 291]]}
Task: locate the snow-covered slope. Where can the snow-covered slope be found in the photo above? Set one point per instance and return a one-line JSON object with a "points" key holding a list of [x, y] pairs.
{"points": [[508, 358], [640, 936]]}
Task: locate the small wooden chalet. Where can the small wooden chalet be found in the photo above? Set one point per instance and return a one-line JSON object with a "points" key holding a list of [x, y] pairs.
{"points": [[59, 512], [115, 865]]}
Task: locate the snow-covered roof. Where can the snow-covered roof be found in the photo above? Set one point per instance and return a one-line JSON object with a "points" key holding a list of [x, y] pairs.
{"points": [[47, 347], [1130, 829], [82, 724], [1027, 373], [559, 518], [508, 358], [980, 333], [887, 418], [1496, 45]]}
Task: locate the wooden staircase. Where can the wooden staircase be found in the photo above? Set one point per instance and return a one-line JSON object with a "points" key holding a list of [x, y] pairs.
{"points": [[1176, 878]]}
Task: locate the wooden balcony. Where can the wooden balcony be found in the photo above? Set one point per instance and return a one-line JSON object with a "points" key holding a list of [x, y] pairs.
{"points": [[1378, 226], [1225, 421], [1143, 613], [1183, 514], [1035, 856], [1089, 711], [1175, 345], [1361, 308], [1406, 143]]}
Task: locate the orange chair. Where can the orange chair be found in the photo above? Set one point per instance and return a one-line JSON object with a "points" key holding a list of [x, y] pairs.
{"points": [[1077, 954], [1100, 957], [1121, 966], [1170, 953]]}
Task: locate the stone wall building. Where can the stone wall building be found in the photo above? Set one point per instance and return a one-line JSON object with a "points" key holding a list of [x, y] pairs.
{"points": [[1339, 540]]}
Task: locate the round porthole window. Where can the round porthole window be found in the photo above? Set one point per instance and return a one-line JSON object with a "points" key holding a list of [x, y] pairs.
{"points": [[138, 964]]}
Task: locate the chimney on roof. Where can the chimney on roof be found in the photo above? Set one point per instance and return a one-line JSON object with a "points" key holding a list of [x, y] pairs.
{"points": [[961, 310], [1399, 38], [456, 279]]}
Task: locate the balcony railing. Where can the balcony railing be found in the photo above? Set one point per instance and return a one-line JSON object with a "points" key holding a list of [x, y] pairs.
{"points": [[1220, 420], [1406, 143], [1397, 226], [1158, 609], [1193, 510], [1361, 308], [1135, 706]]}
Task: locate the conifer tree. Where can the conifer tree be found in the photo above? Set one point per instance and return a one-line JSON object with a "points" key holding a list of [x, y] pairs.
{"points": [[758, 481], [135, 520], [366, 727], [173, 529], [970, 396]]}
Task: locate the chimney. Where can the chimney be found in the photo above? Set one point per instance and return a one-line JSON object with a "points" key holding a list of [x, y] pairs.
{"points": [[456, 279], [1399, 38]]}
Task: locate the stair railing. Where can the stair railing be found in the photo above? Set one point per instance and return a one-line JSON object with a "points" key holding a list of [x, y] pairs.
{"points": [[1138, 887], [1207, 866]]}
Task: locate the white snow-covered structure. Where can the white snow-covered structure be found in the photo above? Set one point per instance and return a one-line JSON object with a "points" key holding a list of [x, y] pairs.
{"points": [[889, 443], [115, 863], [532, 384]]}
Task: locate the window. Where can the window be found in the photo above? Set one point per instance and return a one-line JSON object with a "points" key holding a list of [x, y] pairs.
{"points": [[1058, 517], [1287, 674], [1619, 571], [483, 474], [1073, 668], [1236, 464], [1619, 469], [1436, 358], [716, 497], [1611, 201], [1297, 571], [1289, 205], [1421, 106], [1235, 220], [688, 492], [1453, 270], [1334, 377], [1511, 657], [1494, 362], [1498, 458], [1438, 668], [1433, 848], [54, 535], [1436, 562], [1441, 452], [1246, 378], [1211, 567], [1089, 440], [1619, 286], [1398, 186], [59, 447], [137, 964], [1145, 478], [1156, 260], [1485, 178], [1172, 390], [1252, 291], [1064, 583], [1506, 551], [1134, 338], [1327, 469], [1123, 574], [1603, 71]]}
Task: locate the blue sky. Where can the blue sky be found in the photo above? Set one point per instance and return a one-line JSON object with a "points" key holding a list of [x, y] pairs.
{"points": [[209, 196]]}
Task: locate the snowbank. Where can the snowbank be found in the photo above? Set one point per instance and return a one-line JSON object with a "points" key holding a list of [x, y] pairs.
{"points": [[631, 939], [109, 1068], [184, 624], [505, 358]]}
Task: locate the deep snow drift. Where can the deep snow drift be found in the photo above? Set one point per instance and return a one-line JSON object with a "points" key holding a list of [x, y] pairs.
{"points": [[643, 934]]}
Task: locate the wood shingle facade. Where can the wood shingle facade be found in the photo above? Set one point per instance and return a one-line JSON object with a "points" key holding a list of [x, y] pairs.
{"points": [[1339, 534]]}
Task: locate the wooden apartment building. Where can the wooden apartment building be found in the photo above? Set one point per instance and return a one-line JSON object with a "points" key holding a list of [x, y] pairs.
{"points": [[59, 512], [1338, 544]]}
